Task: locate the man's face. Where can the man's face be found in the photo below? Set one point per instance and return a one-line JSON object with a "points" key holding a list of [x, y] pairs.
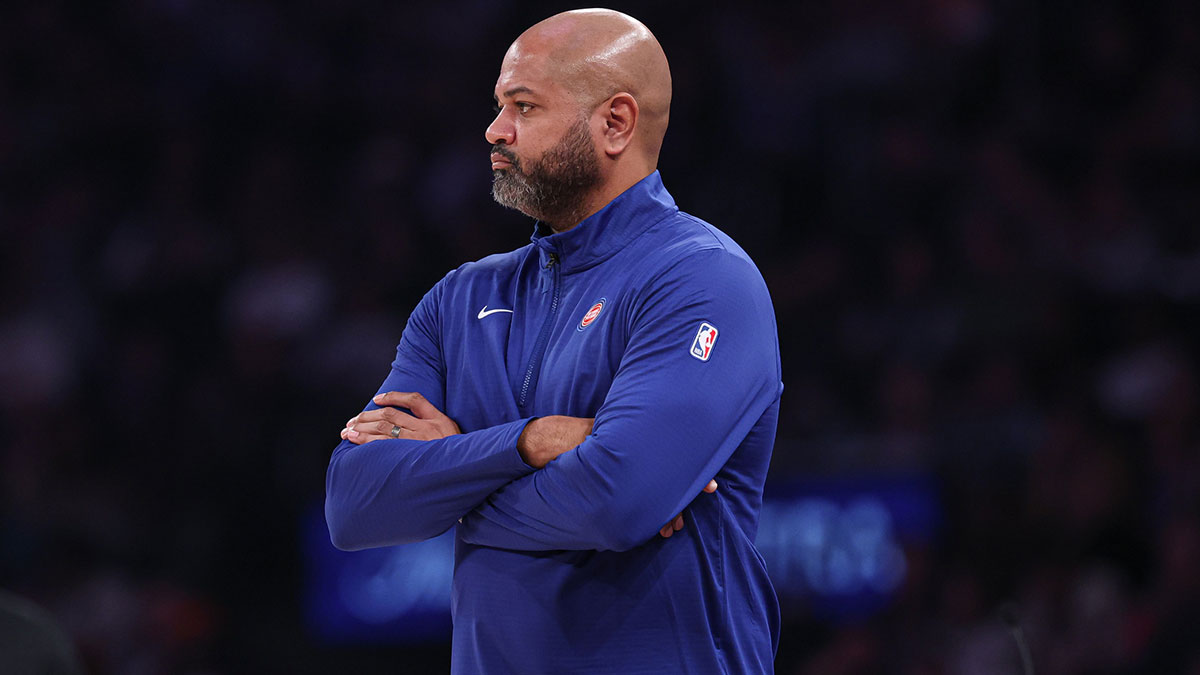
{"points": [[544, 160]]}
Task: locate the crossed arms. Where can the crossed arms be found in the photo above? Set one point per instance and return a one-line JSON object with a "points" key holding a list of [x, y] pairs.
{"points": [[668, 424], [543, 440]]}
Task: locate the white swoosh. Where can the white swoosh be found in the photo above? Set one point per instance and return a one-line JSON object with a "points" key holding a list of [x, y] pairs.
{"points": [[485, 311]]}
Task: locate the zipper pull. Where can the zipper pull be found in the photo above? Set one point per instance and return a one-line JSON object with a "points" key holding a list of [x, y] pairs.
{"points": [[552, 261]]}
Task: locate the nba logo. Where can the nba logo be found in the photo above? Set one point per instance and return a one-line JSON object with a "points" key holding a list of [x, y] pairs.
{"points": [[702, 346]]}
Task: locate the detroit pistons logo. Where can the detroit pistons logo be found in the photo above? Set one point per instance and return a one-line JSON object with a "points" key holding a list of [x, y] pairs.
{"points": [[591, 315]]}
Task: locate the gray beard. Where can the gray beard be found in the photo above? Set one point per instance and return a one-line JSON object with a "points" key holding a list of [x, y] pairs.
{"points": [[555, 188]]}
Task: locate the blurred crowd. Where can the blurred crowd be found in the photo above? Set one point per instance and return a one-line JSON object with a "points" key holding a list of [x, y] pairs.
{"points": [[978, 221]]}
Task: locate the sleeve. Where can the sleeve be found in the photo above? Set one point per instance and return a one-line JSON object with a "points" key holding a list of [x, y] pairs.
{"points": [[395, 491], [700, 368]]}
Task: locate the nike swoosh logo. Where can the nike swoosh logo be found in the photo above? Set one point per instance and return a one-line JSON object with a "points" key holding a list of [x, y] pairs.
{"points": [[485, 311]]}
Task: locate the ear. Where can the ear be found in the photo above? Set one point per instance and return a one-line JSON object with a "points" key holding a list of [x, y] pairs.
{"points": [[620, 116]]}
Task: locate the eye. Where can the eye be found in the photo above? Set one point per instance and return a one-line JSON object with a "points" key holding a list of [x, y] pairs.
{"points": [[522, 107]]}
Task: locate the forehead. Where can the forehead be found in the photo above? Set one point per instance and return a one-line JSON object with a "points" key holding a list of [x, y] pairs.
{"points": [[531, 69]]}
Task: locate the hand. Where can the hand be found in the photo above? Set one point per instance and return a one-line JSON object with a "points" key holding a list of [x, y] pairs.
{"points": [[426, 423], [676, 523], [548, 437]]}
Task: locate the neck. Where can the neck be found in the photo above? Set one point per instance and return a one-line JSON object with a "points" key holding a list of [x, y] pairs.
{"points": [[595, 201], [566, 221]]}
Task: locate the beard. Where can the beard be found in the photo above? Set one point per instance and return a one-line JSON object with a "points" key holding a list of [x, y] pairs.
{"points": [[554, 188]]}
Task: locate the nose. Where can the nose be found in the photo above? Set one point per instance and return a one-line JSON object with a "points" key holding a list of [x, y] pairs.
{"points": [[500, 130]]}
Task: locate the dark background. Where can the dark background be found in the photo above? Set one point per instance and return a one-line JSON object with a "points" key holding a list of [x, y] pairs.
{"points": [[978, 221]]}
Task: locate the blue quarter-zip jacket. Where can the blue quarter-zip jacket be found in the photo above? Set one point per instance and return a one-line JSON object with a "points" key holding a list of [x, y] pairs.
{"points": [[562, 569]]}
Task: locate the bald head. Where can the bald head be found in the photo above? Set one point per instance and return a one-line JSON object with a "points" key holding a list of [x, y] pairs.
{"points": [[597, 53]]}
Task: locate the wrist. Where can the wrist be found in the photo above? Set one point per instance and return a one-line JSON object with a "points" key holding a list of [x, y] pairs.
{"points": [[527, 445], [545, 438]]}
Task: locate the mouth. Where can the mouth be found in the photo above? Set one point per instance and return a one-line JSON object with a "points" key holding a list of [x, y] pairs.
{"points": [[500, 162]]}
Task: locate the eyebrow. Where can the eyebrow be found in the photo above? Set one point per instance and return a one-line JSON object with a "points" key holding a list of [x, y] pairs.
{"points": [[516, 90]]}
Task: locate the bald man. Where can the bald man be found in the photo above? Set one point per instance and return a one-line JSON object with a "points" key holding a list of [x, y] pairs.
{"points": [[565, 406]]}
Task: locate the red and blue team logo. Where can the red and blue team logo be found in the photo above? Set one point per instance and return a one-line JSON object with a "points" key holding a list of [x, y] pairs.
{"points": [[592, 314], [702, 346]]}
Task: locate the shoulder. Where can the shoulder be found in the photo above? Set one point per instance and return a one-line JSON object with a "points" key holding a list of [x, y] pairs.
{"points": [[697, 276], [687, 247], [497, 262], [495, 265], [468, 279]]}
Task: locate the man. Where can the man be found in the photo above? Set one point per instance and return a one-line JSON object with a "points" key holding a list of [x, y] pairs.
{"points": [[564, 404]]}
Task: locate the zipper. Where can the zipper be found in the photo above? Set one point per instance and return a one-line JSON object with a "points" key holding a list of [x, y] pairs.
{"points": [[539, 348]]}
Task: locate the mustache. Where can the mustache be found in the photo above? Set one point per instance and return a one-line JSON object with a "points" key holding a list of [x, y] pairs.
{"points": [[505, 153]]}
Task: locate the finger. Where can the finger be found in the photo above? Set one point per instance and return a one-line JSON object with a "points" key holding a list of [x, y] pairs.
{"points": [[358, 437], [381, 423], [678, 522], [400, 418], [397, 417], [377, 424], [414, 428], [666, 531], [711, 487], [391, 416], [381, 428], [412, 400]]}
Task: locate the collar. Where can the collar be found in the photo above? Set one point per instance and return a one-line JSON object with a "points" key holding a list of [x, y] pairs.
{"points": [[608, 230]]}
